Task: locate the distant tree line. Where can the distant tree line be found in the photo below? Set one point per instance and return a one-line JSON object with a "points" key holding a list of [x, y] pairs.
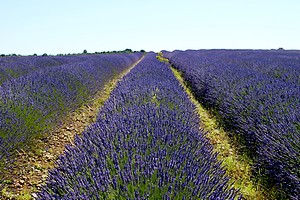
{"points": [[13, 54], [123, 51], [83, 53]]}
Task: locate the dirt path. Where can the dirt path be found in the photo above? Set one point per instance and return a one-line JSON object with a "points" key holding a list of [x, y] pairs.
{"points": [[238, 167], [31, 167]]}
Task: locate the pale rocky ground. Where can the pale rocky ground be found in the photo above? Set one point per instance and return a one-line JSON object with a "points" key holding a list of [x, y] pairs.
{"points": [[31, 168]]}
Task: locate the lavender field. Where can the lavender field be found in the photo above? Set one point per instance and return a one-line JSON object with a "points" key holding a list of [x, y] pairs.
{"points": [[147, 142], [36, 92], [257, 94]]}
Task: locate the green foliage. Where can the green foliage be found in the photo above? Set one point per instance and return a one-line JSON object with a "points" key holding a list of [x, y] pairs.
{"points": [[161, 58], [238, 166], [120, 51], [128, 51]]}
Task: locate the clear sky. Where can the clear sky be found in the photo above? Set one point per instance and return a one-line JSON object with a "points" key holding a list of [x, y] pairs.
{"points": [[70, 26]]}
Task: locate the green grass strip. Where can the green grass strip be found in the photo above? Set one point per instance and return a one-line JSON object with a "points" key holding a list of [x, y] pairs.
{"points": [[238, 167]]}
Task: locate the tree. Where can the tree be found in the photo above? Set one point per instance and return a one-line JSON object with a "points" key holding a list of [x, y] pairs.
{"points": [[128, 51], [85, 51]]}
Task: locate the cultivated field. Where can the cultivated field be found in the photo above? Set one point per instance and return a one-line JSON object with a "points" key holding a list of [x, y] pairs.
{"points": [[195, 124]]}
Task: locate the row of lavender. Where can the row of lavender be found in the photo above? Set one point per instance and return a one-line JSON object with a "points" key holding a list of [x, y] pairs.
{"points": [[17, 66], [257, 93], [32, 103], [146, 144]]}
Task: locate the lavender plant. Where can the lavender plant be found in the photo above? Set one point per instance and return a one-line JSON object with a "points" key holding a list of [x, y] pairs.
{"points": [[16, 66], [146, 144], [257, 94], [32, 103]]}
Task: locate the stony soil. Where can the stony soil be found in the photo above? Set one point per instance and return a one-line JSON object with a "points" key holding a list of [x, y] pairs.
{"points": [[31, 167]]}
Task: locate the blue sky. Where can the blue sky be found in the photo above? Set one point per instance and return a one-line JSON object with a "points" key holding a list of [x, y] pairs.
{"points": [[66, 26]]}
